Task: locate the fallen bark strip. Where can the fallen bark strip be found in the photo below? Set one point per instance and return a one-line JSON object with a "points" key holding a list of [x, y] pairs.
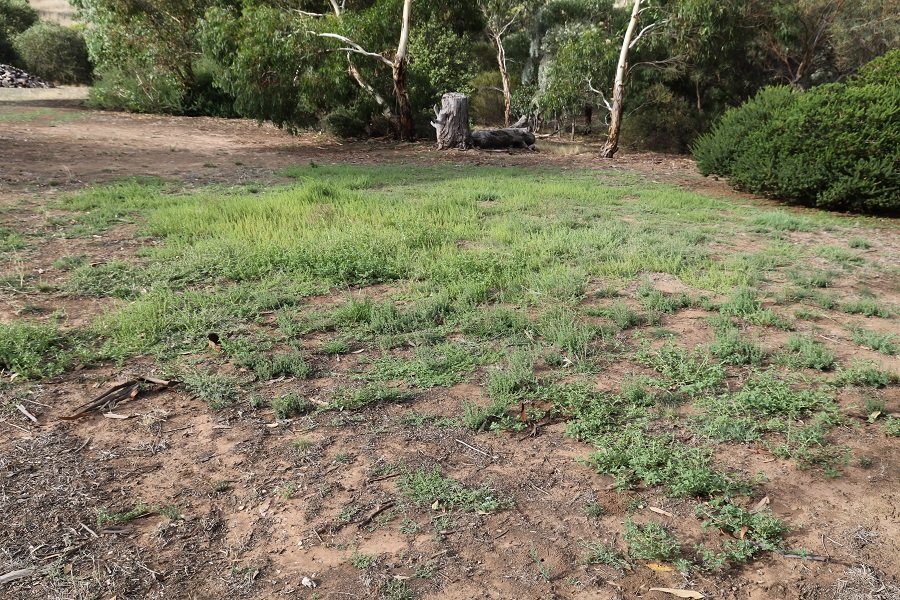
{"points": [[127, 390]]}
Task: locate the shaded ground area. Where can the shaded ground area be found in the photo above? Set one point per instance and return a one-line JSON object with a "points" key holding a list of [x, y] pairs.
{"points": [[179, 500]]}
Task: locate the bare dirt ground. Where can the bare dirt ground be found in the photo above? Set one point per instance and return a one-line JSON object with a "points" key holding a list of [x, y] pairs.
{"points": [[242, 536]]}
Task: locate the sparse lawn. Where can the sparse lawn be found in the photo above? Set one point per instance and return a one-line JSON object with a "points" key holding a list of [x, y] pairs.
{"points": [[540, 289]]}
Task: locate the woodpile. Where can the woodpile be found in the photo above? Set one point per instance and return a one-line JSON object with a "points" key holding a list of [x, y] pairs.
{"points": [[11, 77]]}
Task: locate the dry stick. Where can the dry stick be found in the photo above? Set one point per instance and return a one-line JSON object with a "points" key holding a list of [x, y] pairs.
{"points": [[470, 447], [13, 575], [806, 557], [25, 412], [17, 427], [383, 477], [377, 512], [89, 530]]}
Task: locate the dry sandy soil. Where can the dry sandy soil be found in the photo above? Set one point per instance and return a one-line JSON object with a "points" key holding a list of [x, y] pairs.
{"points": [[240, 538]]}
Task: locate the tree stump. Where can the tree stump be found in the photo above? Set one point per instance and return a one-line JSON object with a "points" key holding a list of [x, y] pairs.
{"points": [[452, 122]]}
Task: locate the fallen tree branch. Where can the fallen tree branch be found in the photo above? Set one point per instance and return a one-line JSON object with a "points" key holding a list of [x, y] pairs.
{"points": [[127, 390]]}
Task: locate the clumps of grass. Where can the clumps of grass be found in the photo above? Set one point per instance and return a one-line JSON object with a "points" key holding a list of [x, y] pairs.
{"points": [[651, 541], [601, 554], [865, 374], [731, 348], [33, 350], [745, 304], [290, 405], [859, 244], [657, 303], [363, 561], [10, 240], [431, 366], [428, 487], [619, 313], [761, 528], [498, 322], [805, 352], [839, 255], [692, 371], [368, 395], [560, 327], [395, 589], [282, 364], [779, 221], [814, 278], [334, 347], [867, 307], [115, 279], [216, 390], [516, 378], [892, 426], [70, 262], [633, 455], [884, 343]]}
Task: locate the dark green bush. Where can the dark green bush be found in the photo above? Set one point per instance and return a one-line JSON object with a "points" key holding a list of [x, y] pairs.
{"points": [[835, 146], [883, 70], [346, 123], [15, 17], [735, 134], [54, 53]]}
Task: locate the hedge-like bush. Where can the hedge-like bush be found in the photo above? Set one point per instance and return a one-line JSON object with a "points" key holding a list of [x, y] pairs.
{"points": [[15, 17], [54, 52], [835, 146]]}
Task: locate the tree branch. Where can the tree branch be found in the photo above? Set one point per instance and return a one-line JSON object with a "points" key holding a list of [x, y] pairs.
{"points": [[353, 47]]}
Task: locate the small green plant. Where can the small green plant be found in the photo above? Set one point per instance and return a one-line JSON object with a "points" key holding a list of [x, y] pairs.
{"points": [[867, 307], [425, 487], [601, 554], [812, 278], [859, 244], [363, 561], [441, 365], [884, 343], [732, 349], [105, 517], [289, 405], [68, 263], [762, 528], [303, 445], [335, 347], [865, 374], [218, 391], [692, 371], [517, 378], [560, 328], [287, 490], [395, 589], [742, 302], [805, 352], [650, 542], [33, 350], [594, 509], [368, 395], [619, 313], [892, 426], [283, 364]]}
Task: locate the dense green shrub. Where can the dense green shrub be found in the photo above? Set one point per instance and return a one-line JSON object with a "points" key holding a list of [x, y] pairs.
{"points": [[346, 123], [15, 17], [54, 53], [836, 146]]}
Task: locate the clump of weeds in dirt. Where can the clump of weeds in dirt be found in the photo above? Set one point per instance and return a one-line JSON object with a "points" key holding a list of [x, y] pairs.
{"points": [[428, 487]]}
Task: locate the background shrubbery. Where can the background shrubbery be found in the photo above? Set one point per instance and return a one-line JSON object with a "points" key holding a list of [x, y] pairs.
{"points": [[54, 53], [50, 51], [835, 146]]}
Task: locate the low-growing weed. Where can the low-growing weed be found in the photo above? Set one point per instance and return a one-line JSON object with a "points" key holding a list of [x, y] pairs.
{"points": [[650, 542], [425, 488], [218, 391], [805, 352], [884, 343]]}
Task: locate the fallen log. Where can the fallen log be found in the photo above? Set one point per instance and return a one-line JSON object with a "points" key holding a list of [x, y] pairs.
{"points": [[501, 139]]}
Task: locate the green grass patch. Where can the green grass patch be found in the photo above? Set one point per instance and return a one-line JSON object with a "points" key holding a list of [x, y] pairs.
{"points": [[34, 350], [427, 487], [804, 352], [885, 343]]}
